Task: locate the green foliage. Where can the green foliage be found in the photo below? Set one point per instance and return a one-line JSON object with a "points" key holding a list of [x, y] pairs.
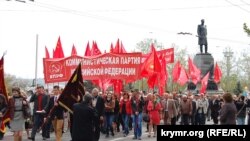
{"points": [[246, 29], [12, 80], [144, 46], [238, 89]]}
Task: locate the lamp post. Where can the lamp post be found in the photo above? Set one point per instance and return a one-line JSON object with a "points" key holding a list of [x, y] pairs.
{"points": [[228, 54]]}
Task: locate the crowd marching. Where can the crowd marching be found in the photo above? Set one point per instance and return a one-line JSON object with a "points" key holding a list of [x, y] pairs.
{"points": [[108, 113]]}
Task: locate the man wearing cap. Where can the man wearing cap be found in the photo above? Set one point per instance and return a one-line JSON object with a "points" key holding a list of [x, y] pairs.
{"points": [[41, 102]]}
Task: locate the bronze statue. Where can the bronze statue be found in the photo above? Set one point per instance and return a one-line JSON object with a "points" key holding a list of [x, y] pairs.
{"points": [[202, 35]]}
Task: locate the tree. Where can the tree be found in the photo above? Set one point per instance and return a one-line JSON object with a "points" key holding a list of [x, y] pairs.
{"points": [[12, 80], [144, 46], [238, 89], [230, 68], [246, 29]]}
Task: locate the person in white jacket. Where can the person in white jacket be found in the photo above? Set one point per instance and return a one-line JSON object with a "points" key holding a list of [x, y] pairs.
{"points": [[202, 110]]}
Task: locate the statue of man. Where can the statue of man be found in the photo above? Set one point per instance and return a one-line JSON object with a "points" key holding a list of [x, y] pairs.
{"points": [[202, 35]]}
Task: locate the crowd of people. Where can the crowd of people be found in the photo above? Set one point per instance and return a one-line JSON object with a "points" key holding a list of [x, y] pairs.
{"points": [[108, 113]]}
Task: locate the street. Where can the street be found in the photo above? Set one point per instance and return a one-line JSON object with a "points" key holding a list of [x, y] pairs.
{"points": [[66, 136]]}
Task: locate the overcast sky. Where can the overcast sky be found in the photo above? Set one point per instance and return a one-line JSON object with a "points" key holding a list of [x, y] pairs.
{"points": [[80, 21]]}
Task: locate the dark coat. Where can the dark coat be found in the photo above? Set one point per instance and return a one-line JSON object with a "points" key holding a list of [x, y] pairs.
{"points": [[137, 105], [58, 110], [241, 108], [45, 102], [100, 106], [202, 34], [84, 118], [214, 107], [228, 114], [194, 107]]}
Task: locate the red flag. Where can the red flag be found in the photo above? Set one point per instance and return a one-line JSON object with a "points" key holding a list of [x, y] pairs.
{"points": [[106, 83], [163, 76], [217, 73], [118, 85], [204, 82], [152, 80], [95, 50], [117, 47], [4, 94], [87, 51], [161, 90], [46, 53], [122, 50], [111, 48], [97, 83], [73, 51], [152, 64], [73, 91], [103, 84], [182, 80], [59, 50], [194, 72], [176, 71]]}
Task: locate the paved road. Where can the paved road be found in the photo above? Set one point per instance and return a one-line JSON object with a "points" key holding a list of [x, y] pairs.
{"points": [[66, 136]]}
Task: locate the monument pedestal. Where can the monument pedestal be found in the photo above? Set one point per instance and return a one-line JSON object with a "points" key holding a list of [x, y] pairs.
{"points": [[205, 62]]}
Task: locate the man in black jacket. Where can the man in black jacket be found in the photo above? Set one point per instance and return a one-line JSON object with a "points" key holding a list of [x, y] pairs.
{"points": [[98, 104], [214, 105], [41, 103], [84, 117]]}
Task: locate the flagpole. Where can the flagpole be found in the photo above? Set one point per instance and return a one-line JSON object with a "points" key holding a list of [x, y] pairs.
{"points": [[47, 118], [36, 59]]}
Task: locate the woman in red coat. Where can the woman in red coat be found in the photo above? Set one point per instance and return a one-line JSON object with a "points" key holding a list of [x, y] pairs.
{"points": [[154, 107]]}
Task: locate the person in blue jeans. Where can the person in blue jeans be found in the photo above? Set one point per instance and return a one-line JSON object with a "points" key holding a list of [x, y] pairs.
{"points": [[125, 110], [109, 114], [241, 110], [137, 104]]}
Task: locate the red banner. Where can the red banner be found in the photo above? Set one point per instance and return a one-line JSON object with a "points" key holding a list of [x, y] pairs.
{"points": [[168, 53], [105, 66]]}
